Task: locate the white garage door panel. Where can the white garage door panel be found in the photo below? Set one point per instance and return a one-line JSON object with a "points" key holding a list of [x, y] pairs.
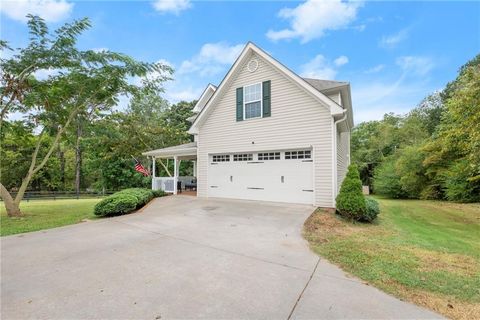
{"points": [[262, 180]]}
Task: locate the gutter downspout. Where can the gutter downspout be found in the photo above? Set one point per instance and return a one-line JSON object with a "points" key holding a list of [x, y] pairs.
{"points": [[335, 165]]}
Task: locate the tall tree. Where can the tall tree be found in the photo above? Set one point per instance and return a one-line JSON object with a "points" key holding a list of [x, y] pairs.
{"points": [[82, 81]]}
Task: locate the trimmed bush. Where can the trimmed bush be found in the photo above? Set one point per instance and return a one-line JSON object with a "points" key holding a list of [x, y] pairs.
{"points": [[116, 204], [159, 193], [143, 195], [371, 211], [350, 200], [125, 201]]}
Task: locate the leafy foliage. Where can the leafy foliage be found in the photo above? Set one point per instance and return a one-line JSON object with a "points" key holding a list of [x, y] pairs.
{"points": [[372, 210], [116, 204], [350, 200], [387, 181], [433, 151], [124, 201]]}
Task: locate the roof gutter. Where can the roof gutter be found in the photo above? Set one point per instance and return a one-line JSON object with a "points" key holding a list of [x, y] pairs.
{"points": [[334, 154]]}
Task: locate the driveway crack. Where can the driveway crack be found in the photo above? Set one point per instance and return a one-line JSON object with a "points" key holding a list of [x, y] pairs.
{"points": [[304, 288]]}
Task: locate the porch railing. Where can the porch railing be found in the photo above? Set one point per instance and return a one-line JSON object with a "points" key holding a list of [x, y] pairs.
{"points": [[166, 184]]}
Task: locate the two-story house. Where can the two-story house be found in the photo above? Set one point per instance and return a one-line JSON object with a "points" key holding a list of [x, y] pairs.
{"points": [[267, 134]]}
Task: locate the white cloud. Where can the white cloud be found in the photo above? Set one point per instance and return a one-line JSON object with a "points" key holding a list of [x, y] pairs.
{"points": [[376, 95], [50, 10], [321, 68], [340, 61], [174, 94], [44, 74], [211, 60], [171, 6], [419, 66], [312, 18], [375, 69], [372, 99], [393, 40], [98, 50]]}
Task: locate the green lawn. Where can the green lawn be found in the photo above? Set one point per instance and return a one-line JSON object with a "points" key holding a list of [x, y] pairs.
{"points": [[427, 252], [46, 214]]}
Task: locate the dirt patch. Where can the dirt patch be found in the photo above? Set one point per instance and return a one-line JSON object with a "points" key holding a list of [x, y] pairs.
{"points": [[322, 225], [450, 308], [454, 263]]}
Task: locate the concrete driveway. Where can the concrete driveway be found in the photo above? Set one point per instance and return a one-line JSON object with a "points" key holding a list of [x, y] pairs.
{"points": [[184, 257]]}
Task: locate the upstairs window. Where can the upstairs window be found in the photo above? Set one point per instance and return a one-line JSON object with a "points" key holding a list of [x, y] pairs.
{"points": [[252, 99]]}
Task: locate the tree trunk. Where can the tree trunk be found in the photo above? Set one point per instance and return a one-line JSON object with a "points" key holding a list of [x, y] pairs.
{"points": [[78, 158], [23, 188], [61, 158], [13, 209]]}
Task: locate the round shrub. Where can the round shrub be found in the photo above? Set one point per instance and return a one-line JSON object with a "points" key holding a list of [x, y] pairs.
{"points": [[350, 200], [372, 210], [116, 204], [143, 195]]}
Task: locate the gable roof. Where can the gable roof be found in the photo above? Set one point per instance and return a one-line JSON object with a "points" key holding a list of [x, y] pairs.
{"points": [[329, 87], [206, 95], [334, 108], [323, 85]]}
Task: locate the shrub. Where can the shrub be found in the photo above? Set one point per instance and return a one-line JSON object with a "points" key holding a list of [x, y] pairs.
{"points": [[116, 204], [125, 201], [350, 200], [143, 195], [158, 193], [372, 210]]}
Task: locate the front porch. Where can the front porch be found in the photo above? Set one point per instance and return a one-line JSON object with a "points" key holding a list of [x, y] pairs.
{"points": [[174, 182]]}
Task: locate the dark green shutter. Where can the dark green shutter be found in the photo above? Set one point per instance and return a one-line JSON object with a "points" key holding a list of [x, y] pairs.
{"points": [[239, 104], [266, 98]]}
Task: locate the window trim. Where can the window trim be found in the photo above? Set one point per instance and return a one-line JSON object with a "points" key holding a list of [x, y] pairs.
{"points": [[261, 100]]}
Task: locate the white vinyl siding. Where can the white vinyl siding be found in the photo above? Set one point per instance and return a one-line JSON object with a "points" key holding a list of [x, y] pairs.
{"points": [[298, 121]]}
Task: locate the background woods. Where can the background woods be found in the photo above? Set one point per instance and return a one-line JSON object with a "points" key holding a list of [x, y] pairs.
{"points": [[433, 152]]}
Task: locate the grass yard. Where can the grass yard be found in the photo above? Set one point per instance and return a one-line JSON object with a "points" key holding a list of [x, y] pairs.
{"points": [[426, 252], [46, 214]]}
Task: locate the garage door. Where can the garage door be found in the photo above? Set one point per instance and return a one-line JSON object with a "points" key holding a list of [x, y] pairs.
{"points": [[283, 176]]}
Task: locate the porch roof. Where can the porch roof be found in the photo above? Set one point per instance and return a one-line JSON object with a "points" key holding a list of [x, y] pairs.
{"points": [[187, 149]]}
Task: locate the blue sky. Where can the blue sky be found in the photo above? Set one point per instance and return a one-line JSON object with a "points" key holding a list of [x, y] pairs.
{"points": [[392, 53]]}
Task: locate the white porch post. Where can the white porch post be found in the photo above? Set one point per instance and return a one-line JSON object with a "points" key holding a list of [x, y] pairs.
{"points": [[153, 173], [194, 168], [175, 174]]}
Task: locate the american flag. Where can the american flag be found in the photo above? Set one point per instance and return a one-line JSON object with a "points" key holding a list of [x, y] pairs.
{"points": [[140, 168]]}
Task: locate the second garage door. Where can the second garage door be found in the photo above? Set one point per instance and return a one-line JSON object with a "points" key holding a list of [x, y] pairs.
{"points": [[282, 176]]}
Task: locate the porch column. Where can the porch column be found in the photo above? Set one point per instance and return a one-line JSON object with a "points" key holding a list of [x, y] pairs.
{"points": [[175, 174], [194, 168], [153, 173]]}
